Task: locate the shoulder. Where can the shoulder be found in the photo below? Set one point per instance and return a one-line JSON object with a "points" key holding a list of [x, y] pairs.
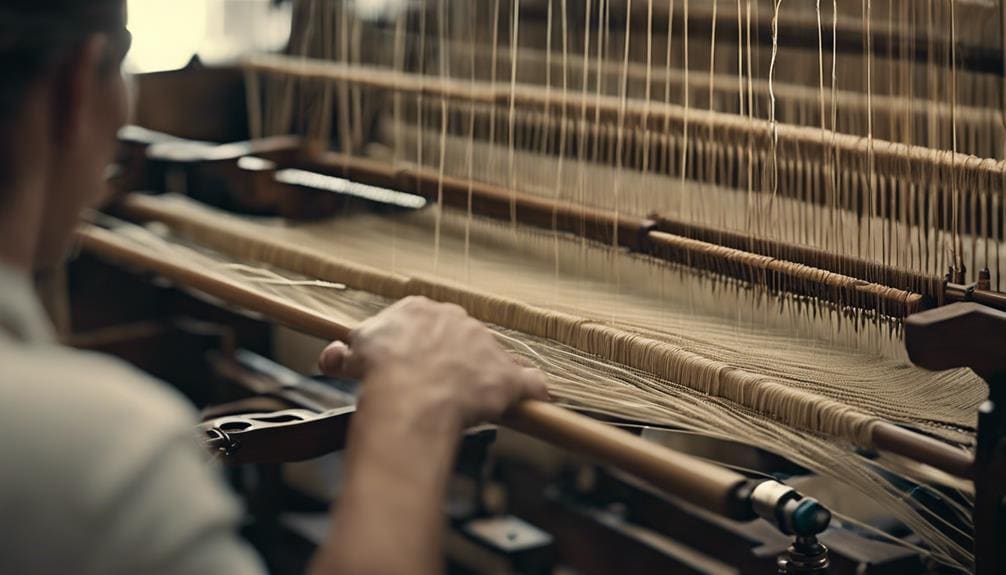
{"points": [[65, 390], [82, 420], [99, 456]]}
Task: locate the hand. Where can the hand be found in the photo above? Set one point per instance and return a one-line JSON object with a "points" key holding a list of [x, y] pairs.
{"points": [[432, 359]]}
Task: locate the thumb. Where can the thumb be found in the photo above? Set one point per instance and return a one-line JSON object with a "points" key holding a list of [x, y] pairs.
{"points": [[337, 360]]}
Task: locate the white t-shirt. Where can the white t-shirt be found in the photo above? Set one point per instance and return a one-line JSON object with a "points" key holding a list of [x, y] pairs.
{"points": [[100, 470]]}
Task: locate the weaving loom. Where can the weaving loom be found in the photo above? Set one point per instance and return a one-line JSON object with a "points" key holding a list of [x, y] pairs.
{"points": [[703, 218]]}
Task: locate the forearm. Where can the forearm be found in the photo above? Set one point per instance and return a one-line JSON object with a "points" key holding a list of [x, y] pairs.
{"points": [[389, 516]]}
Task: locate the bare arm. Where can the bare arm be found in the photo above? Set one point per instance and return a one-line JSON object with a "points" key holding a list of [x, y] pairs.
{"points": [[428, 371]]}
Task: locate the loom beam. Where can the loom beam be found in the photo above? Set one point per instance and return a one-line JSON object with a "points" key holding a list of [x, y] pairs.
{"points": [[974, 336]]}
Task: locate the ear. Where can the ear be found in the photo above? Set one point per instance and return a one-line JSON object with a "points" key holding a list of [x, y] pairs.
{"points": [[77, 87]]}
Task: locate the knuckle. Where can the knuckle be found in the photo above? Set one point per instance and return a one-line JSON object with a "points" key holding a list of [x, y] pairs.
{"points": [[412, 301], [453, 309]]}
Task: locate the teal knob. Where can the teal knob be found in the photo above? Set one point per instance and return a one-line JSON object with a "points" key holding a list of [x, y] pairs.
{"points": [[810, 518]]}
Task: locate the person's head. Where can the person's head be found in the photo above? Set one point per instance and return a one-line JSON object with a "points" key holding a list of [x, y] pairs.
{"points": [[62, 100]]}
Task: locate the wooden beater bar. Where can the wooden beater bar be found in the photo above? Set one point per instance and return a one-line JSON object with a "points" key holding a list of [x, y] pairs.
{"points": [[709, 486]]}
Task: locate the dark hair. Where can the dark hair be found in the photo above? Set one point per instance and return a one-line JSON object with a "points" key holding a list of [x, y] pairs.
{"points": [[37, 34]]}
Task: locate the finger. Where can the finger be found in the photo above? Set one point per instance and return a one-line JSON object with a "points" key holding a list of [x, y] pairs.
{"points": [[453, 309], [332, 358], [338, 360]]}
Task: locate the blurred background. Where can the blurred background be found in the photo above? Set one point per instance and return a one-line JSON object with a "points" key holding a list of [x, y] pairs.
{"points": [[169, 33]]}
